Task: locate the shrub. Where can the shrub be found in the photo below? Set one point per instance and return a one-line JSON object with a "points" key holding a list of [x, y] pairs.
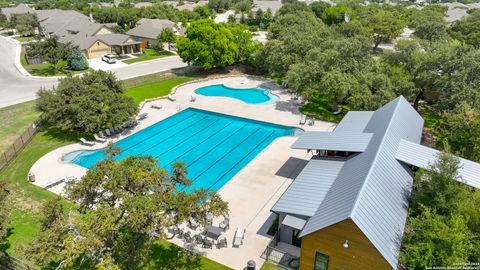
{"points": [[77, 61]]}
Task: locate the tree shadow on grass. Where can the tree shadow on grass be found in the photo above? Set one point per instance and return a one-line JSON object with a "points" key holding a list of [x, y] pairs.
{"points": [[61, 135], [166, 256]]}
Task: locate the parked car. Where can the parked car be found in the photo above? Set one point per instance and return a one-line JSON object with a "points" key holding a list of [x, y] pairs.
{"points": [[109, 58]]}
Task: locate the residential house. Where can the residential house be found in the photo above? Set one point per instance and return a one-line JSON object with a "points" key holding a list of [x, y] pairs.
{"points": [[264, 5], [348, 206], [147, 30], [20, 9], [93, 39]]}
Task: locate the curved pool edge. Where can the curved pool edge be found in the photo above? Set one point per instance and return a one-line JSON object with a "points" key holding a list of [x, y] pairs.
{"points": [[272, 98]]}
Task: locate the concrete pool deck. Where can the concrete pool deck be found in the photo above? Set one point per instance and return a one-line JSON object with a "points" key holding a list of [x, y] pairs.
{"points": [[251, 192]]}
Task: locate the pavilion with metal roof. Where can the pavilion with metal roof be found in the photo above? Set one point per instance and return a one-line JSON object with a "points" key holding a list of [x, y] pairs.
{"points": [[362, 172]]}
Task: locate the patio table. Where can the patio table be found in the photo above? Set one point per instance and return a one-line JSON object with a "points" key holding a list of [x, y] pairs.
{"points": [[213, 231]]}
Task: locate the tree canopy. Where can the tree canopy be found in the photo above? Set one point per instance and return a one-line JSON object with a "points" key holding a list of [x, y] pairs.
{"points": [[51, 50], [123, 208], [86, 104]]}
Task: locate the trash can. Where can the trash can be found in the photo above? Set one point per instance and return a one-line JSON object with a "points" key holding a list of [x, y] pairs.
{"points": [[31, 177], [251, 265]]}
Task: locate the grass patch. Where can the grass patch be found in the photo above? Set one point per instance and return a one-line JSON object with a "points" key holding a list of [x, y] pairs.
{"points": [[270, 266], [148, 54], [25, 39], [25, 197], [166, 256], [46, 69], [15, 120], [156, 89], [320, 108]]}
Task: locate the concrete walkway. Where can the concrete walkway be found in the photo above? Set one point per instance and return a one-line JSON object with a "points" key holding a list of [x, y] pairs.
{"points": [[251, 192]]}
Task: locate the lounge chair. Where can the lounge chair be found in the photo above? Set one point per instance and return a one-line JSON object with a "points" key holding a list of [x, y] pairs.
{"points": [[171, 98], [193, 98], [55, 182], [102, 135], [142, 116], [112, 131], [158, 107], [238, 238], [99, 139], [85, 142], [225, 224], [108, 133]]}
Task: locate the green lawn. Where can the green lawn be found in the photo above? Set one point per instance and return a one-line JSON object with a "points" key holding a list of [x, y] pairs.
{"points": [[15, 120], [148, 54], [269, 266], [46, 69], [320, 108], [25, 197], [156, 89]]}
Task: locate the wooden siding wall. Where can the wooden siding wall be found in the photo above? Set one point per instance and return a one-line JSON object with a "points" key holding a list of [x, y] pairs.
{"points": [[361, 254]]}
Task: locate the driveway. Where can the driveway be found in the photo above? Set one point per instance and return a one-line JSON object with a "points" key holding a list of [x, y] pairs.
{"points": [[14, 86], [98, 64]]}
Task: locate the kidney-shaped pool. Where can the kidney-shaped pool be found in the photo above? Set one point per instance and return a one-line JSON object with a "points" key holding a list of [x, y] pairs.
{"points": [[248, 95]]}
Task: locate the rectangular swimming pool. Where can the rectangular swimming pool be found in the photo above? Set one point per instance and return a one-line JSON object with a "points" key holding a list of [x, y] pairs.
{"points": [[213, 146]]}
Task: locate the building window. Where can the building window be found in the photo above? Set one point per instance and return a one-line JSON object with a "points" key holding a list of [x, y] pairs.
{"points": [[321, 261]]}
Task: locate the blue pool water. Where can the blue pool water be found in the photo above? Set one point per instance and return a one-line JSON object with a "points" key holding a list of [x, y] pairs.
{"points": [[213, 146], [249, 95]]}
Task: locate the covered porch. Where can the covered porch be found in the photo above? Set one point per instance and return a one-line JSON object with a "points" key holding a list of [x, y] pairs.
{"points": [[284, 248], [128, 48]]}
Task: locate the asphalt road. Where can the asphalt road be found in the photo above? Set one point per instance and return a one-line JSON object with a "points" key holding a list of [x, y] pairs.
{"points": [[14, 86], [149, 67]]}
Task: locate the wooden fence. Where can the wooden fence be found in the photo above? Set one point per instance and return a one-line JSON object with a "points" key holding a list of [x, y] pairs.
{"points": [[17, 146]]}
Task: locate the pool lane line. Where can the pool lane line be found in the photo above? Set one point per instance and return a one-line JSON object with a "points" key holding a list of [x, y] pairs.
{"points": [[225, 154], [215, 146], [170, 136], [156, 132], [244, 157], [190, 149], [193, 134]]}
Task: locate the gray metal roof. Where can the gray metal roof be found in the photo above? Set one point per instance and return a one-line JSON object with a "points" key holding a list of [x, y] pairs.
{"points": [[309, 188], [294, 222], [338, 141], [372, 187], [354, 121], [422, 157]]}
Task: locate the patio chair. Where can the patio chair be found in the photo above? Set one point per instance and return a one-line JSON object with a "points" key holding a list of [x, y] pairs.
{"points": [[198, 238], [311, 121], [171, 98], [188, 238], [303, 120], [85, 142], [222, 243], [207, 243], [99, 139], [192, 224], [225, 224], [155, 106]]}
